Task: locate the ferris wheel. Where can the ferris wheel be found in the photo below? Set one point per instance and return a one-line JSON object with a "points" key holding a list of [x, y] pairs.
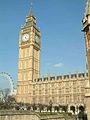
{"points": [[9, 78]]}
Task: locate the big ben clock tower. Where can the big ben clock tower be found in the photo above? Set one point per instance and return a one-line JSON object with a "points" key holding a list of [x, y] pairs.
{"points": [[29, 58]]}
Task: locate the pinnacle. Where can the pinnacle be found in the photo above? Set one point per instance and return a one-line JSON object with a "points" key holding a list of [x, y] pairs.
{"points": [[87, 10], [30, 11]]}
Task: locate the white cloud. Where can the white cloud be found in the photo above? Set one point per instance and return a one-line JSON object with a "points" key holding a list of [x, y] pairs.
{"points": [[58, 65]]}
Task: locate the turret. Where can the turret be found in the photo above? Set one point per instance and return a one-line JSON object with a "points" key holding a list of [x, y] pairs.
{"points": [[86, 30]]}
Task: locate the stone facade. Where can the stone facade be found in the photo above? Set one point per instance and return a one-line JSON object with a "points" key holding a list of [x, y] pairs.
{"points": [[29, 59], [18, 116], [65, 89], [86, 30]]}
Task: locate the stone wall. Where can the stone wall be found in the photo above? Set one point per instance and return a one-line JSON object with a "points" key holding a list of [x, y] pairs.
{"points": [[26, 115], [57, 117], [18, 115]]}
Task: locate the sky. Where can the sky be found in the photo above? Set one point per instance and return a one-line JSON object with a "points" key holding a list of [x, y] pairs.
{"points": [[62, 41]]}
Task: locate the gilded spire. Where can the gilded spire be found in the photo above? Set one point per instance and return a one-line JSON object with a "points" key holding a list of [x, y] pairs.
{"points": [[87, 9], [30, 11]]}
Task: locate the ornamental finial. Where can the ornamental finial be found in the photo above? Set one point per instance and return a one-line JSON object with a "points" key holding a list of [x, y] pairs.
{"points": [[87, 9], [31, 5]]}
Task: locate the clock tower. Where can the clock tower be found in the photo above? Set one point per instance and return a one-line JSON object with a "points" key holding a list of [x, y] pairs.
{"points": [[29, 58], [86, 30]]}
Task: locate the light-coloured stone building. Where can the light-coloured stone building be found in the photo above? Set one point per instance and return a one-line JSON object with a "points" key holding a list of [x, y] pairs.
{"points": [[64, 89], [86, 30]]}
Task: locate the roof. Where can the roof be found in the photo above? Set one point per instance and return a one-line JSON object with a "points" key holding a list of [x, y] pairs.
{"points": [[31, 11], [65, 77]]}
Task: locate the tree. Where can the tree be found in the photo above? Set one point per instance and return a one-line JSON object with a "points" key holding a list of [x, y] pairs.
{"points": [[6, 94], [11, 99], [65, 108], [73, 109], [1, 105], [56, 108], [81, 108], [41, 107], [34, 107], [17, 107], [28, 106], [50, 105], [82, 115], [60, 107]]}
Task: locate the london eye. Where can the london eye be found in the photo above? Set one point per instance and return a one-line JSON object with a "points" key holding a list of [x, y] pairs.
{"points": [[9, 78]]}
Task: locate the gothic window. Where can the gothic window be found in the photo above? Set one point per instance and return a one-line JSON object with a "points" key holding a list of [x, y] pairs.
{"points": [[33, 92], [24, 76], [23, 53], [27, 52]]}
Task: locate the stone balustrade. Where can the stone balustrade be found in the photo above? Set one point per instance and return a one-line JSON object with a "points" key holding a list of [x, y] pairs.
{"points": [[27, 115]]}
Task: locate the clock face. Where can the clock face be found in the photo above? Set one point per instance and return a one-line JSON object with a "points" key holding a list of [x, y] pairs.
{"points": [[25, 37]]}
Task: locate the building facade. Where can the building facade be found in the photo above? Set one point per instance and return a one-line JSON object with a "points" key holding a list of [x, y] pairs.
{"points": [[29, 58], [64, 89], [86, 30]]}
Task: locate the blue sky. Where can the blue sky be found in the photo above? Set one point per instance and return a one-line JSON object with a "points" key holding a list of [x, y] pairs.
{"points": [[62, 41]]}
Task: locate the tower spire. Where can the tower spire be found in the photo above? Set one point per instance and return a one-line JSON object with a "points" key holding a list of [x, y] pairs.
{"points": [[87, 9], [30, 11]]}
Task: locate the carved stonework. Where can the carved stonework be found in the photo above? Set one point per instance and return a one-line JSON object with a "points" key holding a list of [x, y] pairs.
{"points": [[86, 30], [87, 91], [29, 59]]}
